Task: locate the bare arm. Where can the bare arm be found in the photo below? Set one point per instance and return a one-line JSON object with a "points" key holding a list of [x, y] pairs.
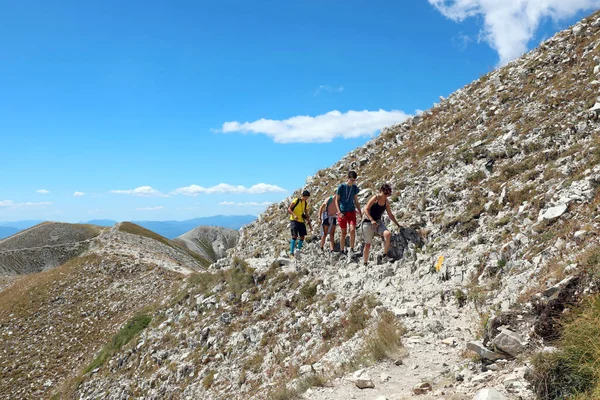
{"points": [[356, 204], [390, 214], [322, 208], [337, 203]]}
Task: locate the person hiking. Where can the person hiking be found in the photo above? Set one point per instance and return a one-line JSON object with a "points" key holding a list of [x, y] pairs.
{"points": [[298, 211], [327, 220], [346, 203], [373, 223]]}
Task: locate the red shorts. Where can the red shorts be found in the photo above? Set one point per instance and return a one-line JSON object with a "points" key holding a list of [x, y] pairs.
{"points": [[348, 217]]}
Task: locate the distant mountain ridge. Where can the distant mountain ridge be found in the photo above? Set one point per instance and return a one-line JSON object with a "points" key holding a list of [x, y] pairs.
{"points": [[168, 229]]}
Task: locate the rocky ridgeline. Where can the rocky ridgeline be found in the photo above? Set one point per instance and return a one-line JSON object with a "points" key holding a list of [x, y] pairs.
{"points": [[53, 323], [44, 246]]}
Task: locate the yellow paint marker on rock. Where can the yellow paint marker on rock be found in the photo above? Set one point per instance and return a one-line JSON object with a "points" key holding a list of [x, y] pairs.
{"points": [[438, 264]]}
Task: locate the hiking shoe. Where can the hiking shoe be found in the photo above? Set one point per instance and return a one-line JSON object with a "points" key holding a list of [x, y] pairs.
{"points": [[387, 258]]}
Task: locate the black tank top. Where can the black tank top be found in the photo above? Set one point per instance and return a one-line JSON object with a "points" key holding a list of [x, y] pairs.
{"points": [[376, 210]]}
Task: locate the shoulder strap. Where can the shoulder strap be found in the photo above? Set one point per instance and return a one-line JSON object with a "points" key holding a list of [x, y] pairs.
{"points": [[295, 203]]}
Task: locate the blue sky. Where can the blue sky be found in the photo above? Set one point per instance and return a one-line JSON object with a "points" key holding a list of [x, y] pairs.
{"points": [[161, 110]]}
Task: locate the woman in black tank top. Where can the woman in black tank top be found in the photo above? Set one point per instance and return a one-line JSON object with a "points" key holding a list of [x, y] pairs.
{"points": [[373, 223]]}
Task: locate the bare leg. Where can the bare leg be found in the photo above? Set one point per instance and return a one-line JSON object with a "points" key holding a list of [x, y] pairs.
{"points": [[366, 252], [343, 239], [324, 236], [332, 237], [352, 235], [387, 238]]}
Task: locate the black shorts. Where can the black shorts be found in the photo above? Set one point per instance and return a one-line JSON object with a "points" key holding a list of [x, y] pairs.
{"points": [[298, 228]]}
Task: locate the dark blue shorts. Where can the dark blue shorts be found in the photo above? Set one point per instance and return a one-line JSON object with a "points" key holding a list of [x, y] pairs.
{"points": [[298, 228]]}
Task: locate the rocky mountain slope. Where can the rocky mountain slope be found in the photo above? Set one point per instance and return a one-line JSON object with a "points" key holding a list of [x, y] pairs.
{"points": [[497, 191], [44, 246], [52, 323], [210, 242]]}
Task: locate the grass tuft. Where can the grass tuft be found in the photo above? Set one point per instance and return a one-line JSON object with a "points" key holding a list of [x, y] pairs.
{"points": [[574, 370], [134, 326]]}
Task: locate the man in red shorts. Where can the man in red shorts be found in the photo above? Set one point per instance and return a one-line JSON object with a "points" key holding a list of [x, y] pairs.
{"points": [[346, 202]]}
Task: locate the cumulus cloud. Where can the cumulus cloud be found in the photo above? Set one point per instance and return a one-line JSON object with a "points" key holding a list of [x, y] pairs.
{"points": [[246, 204], [12, 204], [510, 24], [144, 191], [42, 191], [78, 194], [320, 129], [260, 188], [329, 89], [150, 208]]}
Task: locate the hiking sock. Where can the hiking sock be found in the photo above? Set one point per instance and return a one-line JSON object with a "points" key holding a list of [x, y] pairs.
{"points": [[300, 243], [292, 246]]}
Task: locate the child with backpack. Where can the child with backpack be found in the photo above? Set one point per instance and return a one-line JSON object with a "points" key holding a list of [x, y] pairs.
{"points": [[327, 220], [298, 211]]}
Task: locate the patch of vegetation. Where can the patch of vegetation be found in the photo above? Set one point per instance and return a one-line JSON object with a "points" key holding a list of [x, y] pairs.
{"points": [[476, 177], [209, 379], [574, 370], [387, 338], [240, 277], [134, 326], [206, 246], [358, 315], [461, 298]]}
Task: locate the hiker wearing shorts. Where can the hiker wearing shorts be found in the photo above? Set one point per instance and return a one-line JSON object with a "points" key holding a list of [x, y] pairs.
{"points": [[373, 223], [298, 211], [327, 220], [346, 203]]}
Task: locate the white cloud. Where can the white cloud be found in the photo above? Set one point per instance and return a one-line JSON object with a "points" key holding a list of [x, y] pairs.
{"points": [[260, 188], [12, 204], [42, 191], [320, 129], [510, 24], [150, 208], [461, 41], [330, 89], [145, 191], [247, 204], [78, 194]]}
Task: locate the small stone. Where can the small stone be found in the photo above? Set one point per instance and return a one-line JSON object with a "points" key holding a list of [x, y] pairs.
{"points": [[422, 388], [385, 377], [398, 362]]}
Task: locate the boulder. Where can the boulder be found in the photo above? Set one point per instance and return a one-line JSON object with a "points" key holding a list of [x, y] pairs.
{"points": [[489, 394], [483, 352], [509, 342]]}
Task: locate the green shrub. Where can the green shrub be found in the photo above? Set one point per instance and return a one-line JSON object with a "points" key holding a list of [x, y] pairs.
{"points": [[134, 326]]}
